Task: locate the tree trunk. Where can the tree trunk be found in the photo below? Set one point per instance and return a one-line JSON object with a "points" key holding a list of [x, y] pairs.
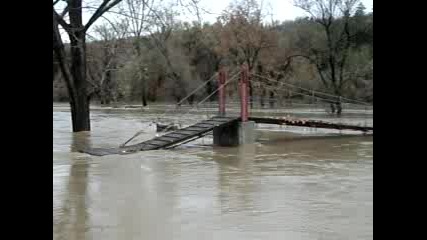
{"points": [[75, 78], [141, 72], [80, 106], [107, 79], [339, 108], [80, 114], [271, 99], [144, 98], [262, 98], [332, 108], [191, 100], [144, 87]]}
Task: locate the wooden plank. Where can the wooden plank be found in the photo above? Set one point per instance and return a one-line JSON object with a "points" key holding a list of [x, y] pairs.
{"points": [[139, 146], [216, 123], [204, 125], [189, 133], [149, 147], [222, 119], [200, 128], [158, 142], [147, 143], [176, 134], [310, 123], [196, 129], [266, 120], [162, 139], [168, 138]]}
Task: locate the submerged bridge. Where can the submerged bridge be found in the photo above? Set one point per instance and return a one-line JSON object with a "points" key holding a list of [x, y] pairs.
{"points": [[227, 130]]}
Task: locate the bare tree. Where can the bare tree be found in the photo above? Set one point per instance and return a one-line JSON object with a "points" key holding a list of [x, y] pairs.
{"points": [[105, 59], [333, 16], [139, 13], [74, 73], [160, 36], [244, 35]]}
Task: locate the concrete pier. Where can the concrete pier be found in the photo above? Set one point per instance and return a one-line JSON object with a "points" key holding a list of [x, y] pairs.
{"points": [[235, 134], [246, 132]]}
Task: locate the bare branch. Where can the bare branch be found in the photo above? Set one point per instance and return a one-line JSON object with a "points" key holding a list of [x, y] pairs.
{"points": [[60, 20], [139, 10], [196, 7], [65, 11], [105, 6], [58, 49]]}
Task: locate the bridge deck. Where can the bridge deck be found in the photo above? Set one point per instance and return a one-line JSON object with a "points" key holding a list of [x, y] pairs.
{"points": [[309, 123], [174, 138], [200, 129]]}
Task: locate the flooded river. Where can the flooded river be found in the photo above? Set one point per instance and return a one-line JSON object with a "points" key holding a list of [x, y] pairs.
{"points": [[292, 184]]}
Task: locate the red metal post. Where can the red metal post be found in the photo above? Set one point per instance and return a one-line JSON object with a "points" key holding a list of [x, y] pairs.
{"points": [[221, 92], [244, 94]]}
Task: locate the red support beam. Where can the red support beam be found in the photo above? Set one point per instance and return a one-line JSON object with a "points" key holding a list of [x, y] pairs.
{"points": [[221, 92], [244, 93]]}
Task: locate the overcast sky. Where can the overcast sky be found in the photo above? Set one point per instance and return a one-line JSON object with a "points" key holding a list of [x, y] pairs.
{"points": [[279, 9]]}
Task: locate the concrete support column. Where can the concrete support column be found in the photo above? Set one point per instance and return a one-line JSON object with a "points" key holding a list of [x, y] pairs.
{"points": [[234, 134], [247, 132]]}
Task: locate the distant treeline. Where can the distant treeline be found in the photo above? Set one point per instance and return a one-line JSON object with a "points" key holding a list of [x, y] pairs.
{"points": [[329, 55]]}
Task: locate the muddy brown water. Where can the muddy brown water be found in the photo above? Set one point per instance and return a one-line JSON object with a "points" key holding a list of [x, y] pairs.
{"points": [[292, 184]]}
